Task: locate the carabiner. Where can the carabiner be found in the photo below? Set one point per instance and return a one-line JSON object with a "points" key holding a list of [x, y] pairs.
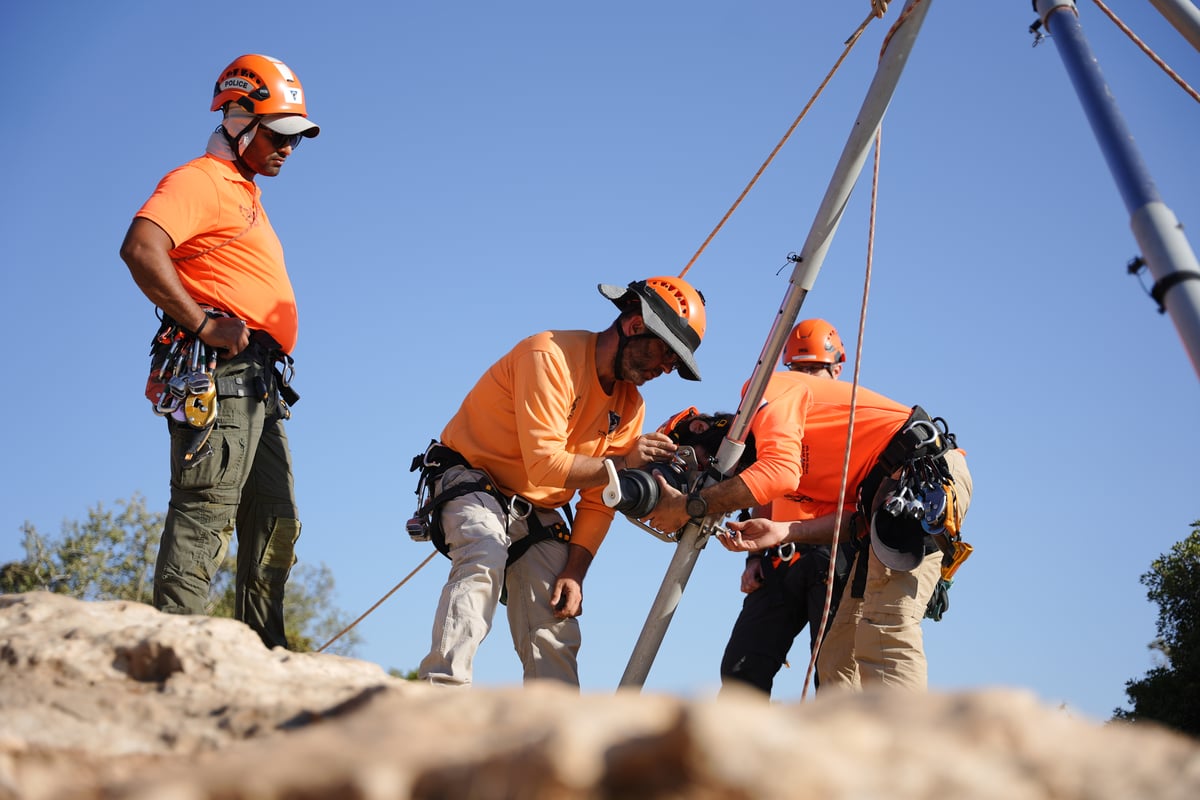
{"points": [[519, 507], [919, 426]]}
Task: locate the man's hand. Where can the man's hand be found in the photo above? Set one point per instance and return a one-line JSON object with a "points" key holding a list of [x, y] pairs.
{"points": [[650, 447], [671, 512], [753, 534], [752, 576], [228, 334], [567, 599]]}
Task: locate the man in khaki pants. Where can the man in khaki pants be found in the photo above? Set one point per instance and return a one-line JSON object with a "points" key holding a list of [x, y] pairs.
{"points": [[899, 458], [530, 437]]}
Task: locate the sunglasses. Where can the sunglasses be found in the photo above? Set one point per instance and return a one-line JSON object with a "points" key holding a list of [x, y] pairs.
{"points": [[281, 140]]}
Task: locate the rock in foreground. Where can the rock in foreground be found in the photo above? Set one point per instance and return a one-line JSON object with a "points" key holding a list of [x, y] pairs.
{"points": [[117, 701]]}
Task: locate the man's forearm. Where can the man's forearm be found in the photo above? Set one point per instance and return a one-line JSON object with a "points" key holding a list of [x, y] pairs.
{"points": [[818, 530], [728, 495], [589, 471]]}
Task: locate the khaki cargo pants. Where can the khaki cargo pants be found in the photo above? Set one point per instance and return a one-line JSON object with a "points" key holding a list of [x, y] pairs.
{"points": [[479, 532], [876, 640]]}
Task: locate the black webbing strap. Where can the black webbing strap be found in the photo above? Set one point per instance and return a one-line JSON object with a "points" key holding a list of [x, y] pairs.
{"points": [[236, 386], [860, 542], [538, 532], [1160, 288], [439, 458], [905, 445]]}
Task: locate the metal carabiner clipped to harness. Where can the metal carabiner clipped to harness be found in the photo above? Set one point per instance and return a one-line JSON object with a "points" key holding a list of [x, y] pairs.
{"points": [[925, 429], [519, 507]]}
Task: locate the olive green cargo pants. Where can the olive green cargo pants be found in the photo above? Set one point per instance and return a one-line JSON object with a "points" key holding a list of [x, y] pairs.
{"points": [[246, 486]]}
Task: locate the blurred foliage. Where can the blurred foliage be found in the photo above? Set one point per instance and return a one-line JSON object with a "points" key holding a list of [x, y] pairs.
{"points": [[1169, 694], [110, 556]]}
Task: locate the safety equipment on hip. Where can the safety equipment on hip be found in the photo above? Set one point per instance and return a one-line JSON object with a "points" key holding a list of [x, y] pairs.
{"points": [[183, 384], [426, 523], [914, 514], [671, 309], [265, 86], [813, 341], [913, 465]]}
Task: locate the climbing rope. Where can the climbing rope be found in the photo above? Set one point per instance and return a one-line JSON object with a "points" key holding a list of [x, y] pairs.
{"points": [[380, 602], [1150, 53], [858, 349], [877, 10]]}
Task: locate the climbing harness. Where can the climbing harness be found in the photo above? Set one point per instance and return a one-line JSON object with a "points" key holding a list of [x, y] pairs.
{"points": [[183, 385], [922, 494], [426, 523]]}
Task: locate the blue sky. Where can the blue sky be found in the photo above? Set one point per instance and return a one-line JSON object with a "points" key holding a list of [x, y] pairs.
{"points": [[482, 166]]}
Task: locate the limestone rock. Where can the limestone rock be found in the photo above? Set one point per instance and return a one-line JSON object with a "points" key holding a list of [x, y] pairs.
{"points": [[117, 701]]}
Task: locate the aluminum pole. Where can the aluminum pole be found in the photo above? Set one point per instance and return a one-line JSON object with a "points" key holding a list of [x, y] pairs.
{"points": [[694, 535], [1184, 15], [1165, 249]]}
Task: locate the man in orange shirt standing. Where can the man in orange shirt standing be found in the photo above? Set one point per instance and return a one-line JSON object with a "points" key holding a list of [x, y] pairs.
{"points": [[898, 455], [536, 429], [203, 251], [786, 586]]}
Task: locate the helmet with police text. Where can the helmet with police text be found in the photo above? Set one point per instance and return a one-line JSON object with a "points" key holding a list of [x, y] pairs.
{"points": [[672, 310], [813, 341], [267, 88]]}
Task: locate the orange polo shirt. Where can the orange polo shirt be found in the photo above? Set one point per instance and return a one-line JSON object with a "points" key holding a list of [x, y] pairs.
{"points": [[800, 438], [534, 411], [226, 253]]}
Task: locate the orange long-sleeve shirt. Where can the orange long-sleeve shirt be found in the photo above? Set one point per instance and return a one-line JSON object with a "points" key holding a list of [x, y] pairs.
{"points": [[534, 410], [800, 437]]}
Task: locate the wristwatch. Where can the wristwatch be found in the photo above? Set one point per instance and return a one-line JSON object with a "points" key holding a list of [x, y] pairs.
{"points": [[697, 506]]}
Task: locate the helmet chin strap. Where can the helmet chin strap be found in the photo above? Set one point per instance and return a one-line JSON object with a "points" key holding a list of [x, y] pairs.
{"points": [[622, 341], [241, 141]]}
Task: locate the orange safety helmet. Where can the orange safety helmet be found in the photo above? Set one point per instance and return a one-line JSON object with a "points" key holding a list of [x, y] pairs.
{"points": [[262, 85], [673, 311], [813, 341]]}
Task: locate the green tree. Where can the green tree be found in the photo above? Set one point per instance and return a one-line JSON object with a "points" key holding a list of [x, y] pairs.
{"points": [[1170, 692], [110, 556], [406, 675]]}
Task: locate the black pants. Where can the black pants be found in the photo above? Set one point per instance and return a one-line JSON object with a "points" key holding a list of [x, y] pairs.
{"points": [[791, 597]]}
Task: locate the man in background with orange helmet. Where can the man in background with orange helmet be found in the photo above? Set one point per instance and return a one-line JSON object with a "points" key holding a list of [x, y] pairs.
{"points": [[536, 429], [786, 586], [203, 251], [899, 456]]}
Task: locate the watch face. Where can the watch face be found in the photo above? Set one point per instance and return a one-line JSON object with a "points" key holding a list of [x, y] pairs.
{"points": [[697, 507]]}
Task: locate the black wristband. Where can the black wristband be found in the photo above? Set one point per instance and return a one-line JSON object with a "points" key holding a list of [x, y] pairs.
{"points": [[200, 327]]}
